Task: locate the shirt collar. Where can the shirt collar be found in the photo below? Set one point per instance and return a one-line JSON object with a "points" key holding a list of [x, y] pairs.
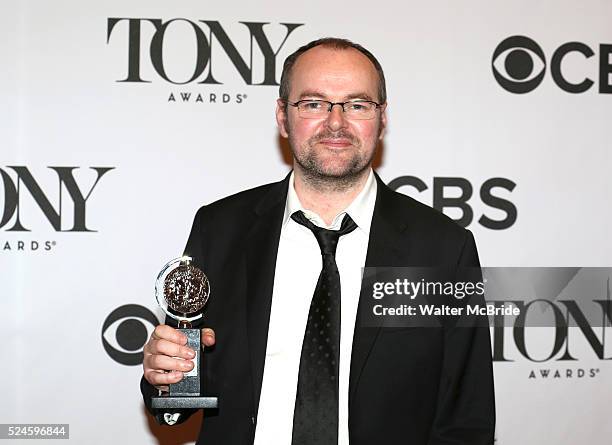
{"points": [[360, 210]]}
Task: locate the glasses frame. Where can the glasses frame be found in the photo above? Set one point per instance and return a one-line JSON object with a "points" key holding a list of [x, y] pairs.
{"points": [[330, 106]]}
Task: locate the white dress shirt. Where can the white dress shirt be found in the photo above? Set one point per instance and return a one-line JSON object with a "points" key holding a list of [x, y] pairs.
{"points": [[298, 265]]}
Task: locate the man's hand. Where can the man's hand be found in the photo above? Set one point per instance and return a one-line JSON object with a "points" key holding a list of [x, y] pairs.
{"points": [[166, 355]]}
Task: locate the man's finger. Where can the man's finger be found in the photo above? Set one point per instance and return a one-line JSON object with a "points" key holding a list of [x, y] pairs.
{"points": [[165, 347], [164, 363], [208, 337], [163, 378], [165, 332]]}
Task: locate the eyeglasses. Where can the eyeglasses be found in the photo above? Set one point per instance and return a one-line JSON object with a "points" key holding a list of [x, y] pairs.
{"points": [[354, 109]]}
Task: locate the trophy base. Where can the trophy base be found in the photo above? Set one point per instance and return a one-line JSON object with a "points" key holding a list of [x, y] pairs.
{"points": [[164, 402]]}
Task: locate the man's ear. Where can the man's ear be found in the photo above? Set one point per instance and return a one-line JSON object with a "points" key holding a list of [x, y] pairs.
{"points": [[281, 118], [383, 123]]}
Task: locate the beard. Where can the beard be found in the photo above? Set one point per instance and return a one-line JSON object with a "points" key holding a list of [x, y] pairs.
{"points": [[328, 168]]}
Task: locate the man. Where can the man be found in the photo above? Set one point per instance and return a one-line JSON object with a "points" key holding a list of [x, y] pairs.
{"points": [[262, 251]]}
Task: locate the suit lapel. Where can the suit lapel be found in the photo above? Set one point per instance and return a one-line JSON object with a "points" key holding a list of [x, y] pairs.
{"points": [[388, 223], [261, 248]]}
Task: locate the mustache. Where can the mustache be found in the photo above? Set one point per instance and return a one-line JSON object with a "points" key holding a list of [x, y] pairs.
{"points": [[342, 134]]}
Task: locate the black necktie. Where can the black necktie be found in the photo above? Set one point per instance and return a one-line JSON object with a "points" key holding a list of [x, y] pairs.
{"points": [[315, 418]]}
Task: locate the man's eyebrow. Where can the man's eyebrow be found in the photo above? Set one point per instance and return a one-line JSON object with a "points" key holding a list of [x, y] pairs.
{"points": [[364, 96], [311, 93]]}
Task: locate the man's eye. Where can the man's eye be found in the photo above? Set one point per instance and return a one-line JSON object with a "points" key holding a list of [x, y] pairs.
{"points": [[358, 106], [312, 105]]}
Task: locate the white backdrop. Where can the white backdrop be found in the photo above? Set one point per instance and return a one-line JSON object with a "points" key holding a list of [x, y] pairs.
{"points": [[64, 105]]}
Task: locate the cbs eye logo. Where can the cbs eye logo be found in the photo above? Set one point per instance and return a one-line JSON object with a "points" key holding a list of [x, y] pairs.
{"points": [[519, 66], [125, 332]]}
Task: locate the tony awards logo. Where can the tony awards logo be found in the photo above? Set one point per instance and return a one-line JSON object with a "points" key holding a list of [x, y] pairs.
{"points": [[181, 291]]}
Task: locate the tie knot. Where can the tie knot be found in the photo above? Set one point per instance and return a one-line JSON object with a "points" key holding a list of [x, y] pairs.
{"points": [[327, 239]]}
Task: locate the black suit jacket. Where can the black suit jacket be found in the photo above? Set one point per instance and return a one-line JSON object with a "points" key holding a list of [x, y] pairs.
{"points": [[406, 386]]}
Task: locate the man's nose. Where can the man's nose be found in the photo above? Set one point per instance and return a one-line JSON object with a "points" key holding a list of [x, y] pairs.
{"points": [[335, 119]]}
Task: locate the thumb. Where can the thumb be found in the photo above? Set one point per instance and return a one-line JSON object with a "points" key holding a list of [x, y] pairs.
{"points": [[208, 337]]}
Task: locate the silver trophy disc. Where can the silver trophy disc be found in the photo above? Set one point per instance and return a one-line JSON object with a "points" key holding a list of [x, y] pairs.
{"points": [[182, 290]]}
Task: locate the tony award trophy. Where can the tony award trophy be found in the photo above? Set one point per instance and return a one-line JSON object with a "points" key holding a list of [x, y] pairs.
{"points": [[181, 291]]}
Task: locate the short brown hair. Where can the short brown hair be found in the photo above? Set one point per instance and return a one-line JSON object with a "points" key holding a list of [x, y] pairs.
{"points": [[334, 43]]}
